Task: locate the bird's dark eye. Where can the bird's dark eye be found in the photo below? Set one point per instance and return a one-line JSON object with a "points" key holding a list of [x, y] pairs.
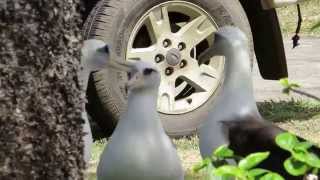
{"points": [[129, 75], [106, 49], [148, 71]]}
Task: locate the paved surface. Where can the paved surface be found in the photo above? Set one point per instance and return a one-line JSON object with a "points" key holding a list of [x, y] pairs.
{"points": [[304, 68]]}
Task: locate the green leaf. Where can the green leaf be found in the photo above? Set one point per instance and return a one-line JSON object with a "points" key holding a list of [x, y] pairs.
{"points": [[303, 146], [253, 160], [228, 170], [223, 152], [315, 26], [300, 155], [272, 176], [202, 165], [288, 86], [287, 141], [225, 177], [257, 172], [312, 160], [284, 82], [295, 168]]}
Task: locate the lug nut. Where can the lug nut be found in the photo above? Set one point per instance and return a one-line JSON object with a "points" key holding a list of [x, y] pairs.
{"points": [[181, 46], [159, 58], [183, 64], [169, 71], [166, 43]]}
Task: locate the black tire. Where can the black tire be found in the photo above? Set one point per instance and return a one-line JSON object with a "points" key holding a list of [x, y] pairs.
{"points": [[113, 20]]}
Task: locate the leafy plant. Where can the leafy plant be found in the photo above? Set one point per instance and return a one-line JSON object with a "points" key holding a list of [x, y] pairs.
{"points": [[302, 161], [244, 170], [288, 86]]}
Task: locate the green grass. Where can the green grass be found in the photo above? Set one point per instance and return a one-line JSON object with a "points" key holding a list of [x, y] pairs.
{"points": [[299, 117], [283, 111], [288, 18]]}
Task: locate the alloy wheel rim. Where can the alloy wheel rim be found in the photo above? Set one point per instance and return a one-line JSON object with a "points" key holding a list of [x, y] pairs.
{"points": [[173, 35]]}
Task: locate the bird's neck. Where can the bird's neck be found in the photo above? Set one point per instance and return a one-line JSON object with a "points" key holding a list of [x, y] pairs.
{"points": [[142, 109], [145, 97], [238, 87], [238, 68]]}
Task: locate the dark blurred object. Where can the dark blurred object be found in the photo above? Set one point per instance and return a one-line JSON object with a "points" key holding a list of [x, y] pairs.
{"points": [[296, 37]]}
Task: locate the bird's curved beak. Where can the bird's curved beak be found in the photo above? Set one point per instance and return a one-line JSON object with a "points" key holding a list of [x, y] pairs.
{"points": [[121, 65]]}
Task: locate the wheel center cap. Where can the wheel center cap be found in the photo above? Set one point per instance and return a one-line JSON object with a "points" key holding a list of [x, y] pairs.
{"points": [[173, 57]]}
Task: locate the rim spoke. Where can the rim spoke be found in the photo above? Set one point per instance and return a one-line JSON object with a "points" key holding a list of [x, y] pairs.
{"points": [[158, 23], [196, 31], [209, 71], [167, 95], [195, 79], [146, 54]]}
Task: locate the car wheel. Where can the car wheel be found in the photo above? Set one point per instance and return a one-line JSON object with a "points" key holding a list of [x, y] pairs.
{"points": [[173, 34]]}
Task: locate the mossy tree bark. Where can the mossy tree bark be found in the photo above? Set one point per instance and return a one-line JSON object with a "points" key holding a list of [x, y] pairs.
{"points": [[40, 105]]}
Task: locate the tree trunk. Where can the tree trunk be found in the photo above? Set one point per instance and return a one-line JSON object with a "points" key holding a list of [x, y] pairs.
{"points": [[40, 105]]}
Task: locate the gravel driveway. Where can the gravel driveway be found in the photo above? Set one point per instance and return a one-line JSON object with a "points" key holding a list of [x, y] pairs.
{"points": [[304, 68]]}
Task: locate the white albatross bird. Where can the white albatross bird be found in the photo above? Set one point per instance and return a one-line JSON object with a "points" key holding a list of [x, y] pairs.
{"points": [[139, 147]]}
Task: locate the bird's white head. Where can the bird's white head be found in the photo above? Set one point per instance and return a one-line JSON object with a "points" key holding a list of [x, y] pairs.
{"points": [[143, 76], [95, 54]]}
